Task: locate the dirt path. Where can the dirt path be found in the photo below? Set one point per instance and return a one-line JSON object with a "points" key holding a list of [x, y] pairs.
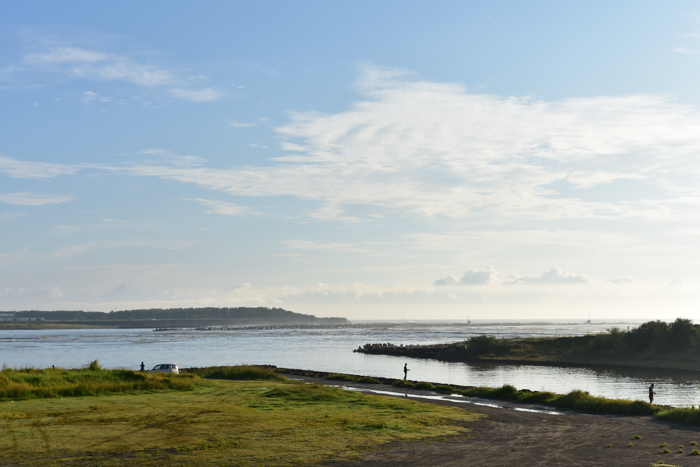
{"points": [[509, 436]]}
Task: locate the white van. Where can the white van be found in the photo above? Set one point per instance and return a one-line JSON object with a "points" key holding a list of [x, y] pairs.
{"points": [[165, 368]]}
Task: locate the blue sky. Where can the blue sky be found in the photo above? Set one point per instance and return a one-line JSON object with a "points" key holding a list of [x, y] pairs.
{"points": [[373, 160]]}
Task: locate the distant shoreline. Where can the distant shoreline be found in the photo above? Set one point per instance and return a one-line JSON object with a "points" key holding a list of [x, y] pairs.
{"points": [[214, 325]]}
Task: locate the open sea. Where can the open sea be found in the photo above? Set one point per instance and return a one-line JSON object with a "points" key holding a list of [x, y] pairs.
{"points": [[332, 350]]}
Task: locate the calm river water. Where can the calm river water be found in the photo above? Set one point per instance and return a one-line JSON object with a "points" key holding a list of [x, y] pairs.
{"points": [[331, 350]]}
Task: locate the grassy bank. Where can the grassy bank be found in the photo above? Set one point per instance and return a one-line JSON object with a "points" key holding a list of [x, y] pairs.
{"points": [[576, 400], [31, 383], [224, 422]]}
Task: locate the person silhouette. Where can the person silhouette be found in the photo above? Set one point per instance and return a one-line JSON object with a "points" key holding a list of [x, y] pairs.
{"points": [[143, 367], [405, 371], [651, 393]]}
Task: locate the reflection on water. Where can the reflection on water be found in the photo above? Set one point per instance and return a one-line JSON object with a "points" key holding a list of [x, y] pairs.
{"points": [[331, 350]]}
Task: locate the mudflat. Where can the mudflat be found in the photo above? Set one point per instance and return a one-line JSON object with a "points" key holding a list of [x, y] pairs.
{"points": [[510, 435]]}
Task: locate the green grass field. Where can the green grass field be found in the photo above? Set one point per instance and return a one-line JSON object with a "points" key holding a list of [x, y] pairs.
{"points": [[210, 422]]}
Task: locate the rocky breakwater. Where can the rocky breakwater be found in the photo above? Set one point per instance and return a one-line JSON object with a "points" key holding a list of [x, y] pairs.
{"points": [[454, 352]]}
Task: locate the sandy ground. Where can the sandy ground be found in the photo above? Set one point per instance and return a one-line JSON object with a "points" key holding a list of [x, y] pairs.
{"points": [[509, 436]]}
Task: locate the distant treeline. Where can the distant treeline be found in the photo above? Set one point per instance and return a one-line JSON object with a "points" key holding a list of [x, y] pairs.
{"points": [[170, 314]]}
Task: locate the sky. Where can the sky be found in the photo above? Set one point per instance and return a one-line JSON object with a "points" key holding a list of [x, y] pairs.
{"points": [[371, 160]]}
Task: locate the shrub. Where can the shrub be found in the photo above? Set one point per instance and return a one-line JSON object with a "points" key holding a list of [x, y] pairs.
{"points": [[340, 377], [94, 366], [683, 415], [239, 373], [443, 388], [424, 386], [368, 380]]}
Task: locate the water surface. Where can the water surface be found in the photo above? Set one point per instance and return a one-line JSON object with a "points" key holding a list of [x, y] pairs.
{"points": [[331, 350]]}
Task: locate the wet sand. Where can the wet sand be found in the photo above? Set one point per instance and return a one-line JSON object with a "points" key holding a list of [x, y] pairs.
{"points": [[510, 436]]}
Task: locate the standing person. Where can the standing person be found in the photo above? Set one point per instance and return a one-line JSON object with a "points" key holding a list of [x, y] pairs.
{"points": [[651, 393], [143, 367], [405, 371]]}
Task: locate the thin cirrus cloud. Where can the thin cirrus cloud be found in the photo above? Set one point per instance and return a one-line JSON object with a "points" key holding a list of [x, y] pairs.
{"points": [[80, 63], [227, 209], [33, 199], [432, 149], [34, 170], [684, 51], [76, 62], [202, 95]]}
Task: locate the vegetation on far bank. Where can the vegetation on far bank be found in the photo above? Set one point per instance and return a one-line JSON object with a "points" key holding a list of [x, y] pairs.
{"points": [[34, 325], [169, 314], [652, 344], [222, 422]]}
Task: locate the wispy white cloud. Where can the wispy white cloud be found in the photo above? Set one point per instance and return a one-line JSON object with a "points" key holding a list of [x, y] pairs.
{"points": [[65, 55], [554, 276], [227, 209], [88, 64], [33, 199], [8, 216], [433, 149], [684, 51], [340, 247], [72, 250], [23, 169], [201, 95], [622, 281], [240, 124], [155, 156], [90, 97], [678, 282]]}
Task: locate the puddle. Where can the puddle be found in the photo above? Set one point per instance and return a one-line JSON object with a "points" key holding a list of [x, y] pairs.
{"points": [[453, 398]]}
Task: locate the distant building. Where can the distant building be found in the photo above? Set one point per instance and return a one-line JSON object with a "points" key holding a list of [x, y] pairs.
{"points": [[11, 316], [7, 316]]}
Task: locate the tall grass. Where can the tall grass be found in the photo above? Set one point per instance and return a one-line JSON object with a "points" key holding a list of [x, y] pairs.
{"points": [[31, 383], [577, 400], [240, 373], [682, 415]]}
